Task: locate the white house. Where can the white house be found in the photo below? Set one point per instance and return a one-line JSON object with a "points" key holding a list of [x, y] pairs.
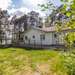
{"points": [[43, 36]]}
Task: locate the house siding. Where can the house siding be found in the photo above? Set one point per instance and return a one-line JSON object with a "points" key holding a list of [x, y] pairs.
{"points": [[47, 41], [49, 38]]}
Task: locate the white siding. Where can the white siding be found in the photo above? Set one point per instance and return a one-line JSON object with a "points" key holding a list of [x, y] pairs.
{"points": [[49, 37], [59, 39], [37, 40]]}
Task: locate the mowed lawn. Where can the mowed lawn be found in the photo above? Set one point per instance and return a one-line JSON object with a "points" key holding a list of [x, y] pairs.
{"points": [[18, 61]]}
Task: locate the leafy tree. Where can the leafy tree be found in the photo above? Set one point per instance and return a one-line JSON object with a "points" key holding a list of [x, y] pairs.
{"points": [[70, 37], [68, 9], [3, 25]]}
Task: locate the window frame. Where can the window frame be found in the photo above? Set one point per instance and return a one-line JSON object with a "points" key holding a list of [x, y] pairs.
{"points": [[42, 36]]}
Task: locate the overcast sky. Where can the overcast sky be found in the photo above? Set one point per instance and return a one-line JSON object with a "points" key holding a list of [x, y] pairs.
{"points": [[24, 5]]}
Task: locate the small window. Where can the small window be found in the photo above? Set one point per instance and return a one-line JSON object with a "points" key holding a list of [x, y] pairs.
{"points": [[33, 37], [42, 37], [26, 37]]}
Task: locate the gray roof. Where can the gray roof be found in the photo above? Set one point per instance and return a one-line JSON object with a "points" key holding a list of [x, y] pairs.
{"points": [[54, 29]]}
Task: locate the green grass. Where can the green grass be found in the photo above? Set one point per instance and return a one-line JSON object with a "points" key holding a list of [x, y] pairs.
{"points": [[18, 61]]}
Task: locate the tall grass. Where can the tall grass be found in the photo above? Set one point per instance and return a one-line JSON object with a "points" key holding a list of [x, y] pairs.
{"points": [[15, 61]]}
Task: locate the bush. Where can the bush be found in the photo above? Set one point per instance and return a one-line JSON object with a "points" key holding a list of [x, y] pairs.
{"points": [[63, 64]]}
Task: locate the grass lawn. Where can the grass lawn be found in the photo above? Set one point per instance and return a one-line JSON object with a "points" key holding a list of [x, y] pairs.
{"points": [[18, 61]]}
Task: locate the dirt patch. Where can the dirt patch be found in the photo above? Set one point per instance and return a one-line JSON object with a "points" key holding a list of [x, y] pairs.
{"points": [[41, 69], [44, 69]]}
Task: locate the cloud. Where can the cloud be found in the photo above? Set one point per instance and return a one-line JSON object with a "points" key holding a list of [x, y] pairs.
{"points": [[24, 6], [21, 9], [29, 5], [24, 9], [4, 4], [33, 4]]}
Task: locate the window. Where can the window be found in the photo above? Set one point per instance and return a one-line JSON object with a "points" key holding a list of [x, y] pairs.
{"points": [[42, 37], [33, 37], [26, 37]]}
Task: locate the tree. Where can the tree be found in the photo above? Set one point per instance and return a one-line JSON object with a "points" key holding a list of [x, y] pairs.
{"points": [[68, 9], [3, 25], [70, 37]]}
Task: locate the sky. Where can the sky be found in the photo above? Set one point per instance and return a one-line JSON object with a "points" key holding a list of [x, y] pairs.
{"points": [[25, 6]]}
